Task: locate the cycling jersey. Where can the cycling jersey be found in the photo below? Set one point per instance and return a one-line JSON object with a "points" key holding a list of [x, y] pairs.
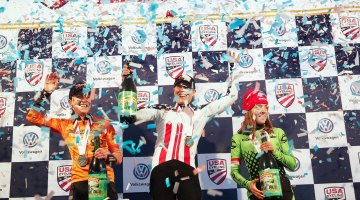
{"points": [[242, 147], [174, 124], [65, 127]]}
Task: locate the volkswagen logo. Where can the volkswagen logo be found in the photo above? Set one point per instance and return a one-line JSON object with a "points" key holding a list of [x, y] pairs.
{"points": [[141, 171], [64, 103], [355, 88], [139, 36], [103, 67], [211, 95], [297, 164], [325, 125], [30, 139], [3, 42], [245, 61]]}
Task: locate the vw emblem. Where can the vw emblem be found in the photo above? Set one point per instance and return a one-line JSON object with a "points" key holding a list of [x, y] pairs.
{"points": [[355, 88], [141, 171], [297, 164], [64, 102], [103, 67], [325, 125], [30, 139], [211, 95], [3, 42], [139, 36], [245, 61]]}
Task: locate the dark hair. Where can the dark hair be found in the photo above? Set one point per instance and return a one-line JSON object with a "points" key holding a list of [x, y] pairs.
{"points": [[249, 125], [77, 89]]}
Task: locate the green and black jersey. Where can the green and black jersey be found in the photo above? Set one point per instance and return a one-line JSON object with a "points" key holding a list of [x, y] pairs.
{"points": [[243, 148]]}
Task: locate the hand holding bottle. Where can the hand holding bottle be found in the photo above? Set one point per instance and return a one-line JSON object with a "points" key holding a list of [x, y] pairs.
{"points": [[267, 146], [101, 153], [258, 193]]}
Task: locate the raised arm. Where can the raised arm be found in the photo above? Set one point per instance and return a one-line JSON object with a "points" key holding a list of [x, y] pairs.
{"points": [[34, 116]]}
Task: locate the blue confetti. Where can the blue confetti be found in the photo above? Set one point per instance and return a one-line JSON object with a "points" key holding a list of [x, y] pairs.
{"points": [[2, 9], [259, 154], [167, 181], [316, 148], [151, 126], [236, 23]]}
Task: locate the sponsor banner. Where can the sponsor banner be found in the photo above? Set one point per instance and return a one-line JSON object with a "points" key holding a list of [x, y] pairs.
{"points": [[136, 174], [31, 74], [350, 91], [326, 129], [278, 31], [173, 65], [138, 39], [70, 42], [284, 96], [338, 191], [317, 61], [59, 105], [103, 72], [147, 95], [217, 171], [59, 179], [303, 173], [209, 36], [209, 92], [7, 106], [30, 144]]}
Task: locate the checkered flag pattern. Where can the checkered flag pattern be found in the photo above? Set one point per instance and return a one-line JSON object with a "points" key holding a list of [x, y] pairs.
{"points": [[307, 66]]}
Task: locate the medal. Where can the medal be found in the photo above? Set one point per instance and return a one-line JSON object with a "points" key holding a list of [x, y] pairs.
{"points": [[188, 141], [82, 160]]}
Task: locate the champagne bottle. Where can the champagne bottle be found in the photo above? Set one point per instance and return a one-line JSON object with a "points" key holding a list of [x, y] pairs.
{"points": [[269, 174], [97, 176], [127, 100]]}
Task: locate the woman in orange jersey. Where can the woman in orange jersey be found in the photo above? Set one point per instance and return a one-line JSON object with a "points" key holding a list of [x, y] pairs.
{"points": [[78, 132]]}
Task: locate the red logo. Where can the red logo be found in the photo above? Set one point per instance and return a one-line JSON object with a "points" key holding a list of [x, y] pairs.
{"points": [[2, 106], [64, 177], [285, 94], [217, 170], [350, 27], [174, 66], [33, 73], [208, 34], [335, 193], [143, 97], [54, 4], [69, 41], [317, 59]]}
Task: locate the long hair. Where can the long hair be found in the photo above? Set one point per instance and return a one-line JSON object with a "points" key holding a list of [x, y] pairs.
{"points": [[248, 126]]}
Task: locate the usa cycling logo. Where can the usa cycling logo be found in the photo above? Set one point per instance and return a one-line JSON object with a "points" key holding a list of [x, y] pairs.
{"points": [[245, 60], [211, 95], [141, 171], [33, 73], [3, 41], [355, 88], [174, 66], [285, 94], [317, 59], [64, 103], [143, 98], [325, 125], [337, 193], [30, 139], [69, 41], [217, 170], [208, 34], [139, 36], [2, 106], [350, 27], [103, 67], [64, 177]]}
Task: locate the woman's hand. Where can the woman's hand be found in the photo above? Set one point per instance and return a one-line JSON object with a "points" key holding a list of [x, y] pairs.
{"points": [[258, 193], [51, 82], [101, 153], [267, 146]]}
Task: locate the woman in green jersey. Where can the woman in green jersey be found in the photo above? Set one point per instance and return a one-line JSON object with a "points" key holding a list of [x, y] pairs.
{"points": [[245, 145]]}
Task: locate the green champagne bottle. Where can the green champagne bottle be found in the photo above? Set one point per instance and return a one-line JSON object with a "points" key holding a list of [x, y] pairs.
{"points": [[97, 176], [269, 174], [127, 100]]}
